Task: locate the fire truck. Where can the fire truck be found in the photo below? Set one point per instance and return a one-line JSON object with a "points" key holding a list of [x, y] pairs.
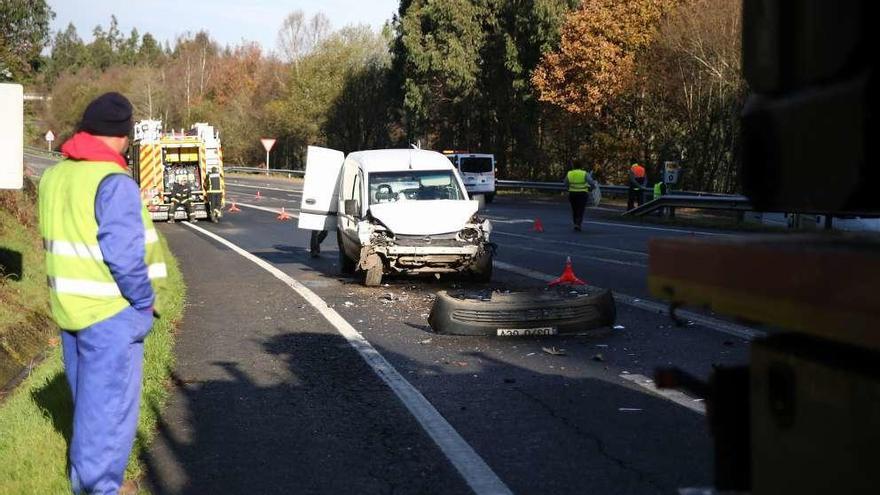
{"points": [[172, 170]]}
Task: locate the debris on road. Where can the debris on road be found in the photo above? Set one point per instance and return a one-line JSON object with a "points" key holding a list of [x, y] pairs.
{"points": [[598, 357], [348, 304], [554, 351], [424, 342], [619, 327]]}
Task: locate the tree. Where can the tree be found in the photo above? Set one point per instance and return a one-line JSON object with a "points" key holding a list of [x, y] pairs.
{"points": [[68, 54], [316, 85], [24, 32], [150, 53], [596, 58], [437, 54], [300, 36]]}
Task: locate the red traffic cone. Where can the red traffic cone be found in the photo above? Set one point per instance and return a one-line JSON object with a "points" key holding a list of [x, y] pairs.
{"points": [[538, 226], [568, 276], [233, 208], [258, 196], [283, 216]]}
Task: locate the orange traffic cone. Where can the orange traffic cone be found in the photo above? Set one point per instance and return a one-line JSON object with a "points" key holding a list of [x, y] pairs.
{"points": [[538, 226], [233, 208], [568, 276], [258, 196], [283, 216]]}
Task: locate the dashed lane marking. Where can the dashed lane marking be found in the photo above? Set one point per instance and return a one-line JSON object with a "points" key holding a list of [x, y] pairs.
{"points": [[478, 475], [578, 255], [570, 243], [650, 306], [660, 229], [292, 213], [265, 188]]}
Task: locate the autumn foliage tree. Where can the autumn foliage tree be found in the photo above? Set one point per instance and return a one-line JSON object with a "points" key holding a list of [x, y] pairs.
{"points": [[596, 58]]}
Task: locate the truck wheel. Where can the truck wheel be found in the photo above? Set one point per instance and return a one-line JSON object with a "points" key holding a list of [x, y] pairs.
{"points": [[346, 265], [481, 270], [373, 276], [490, 197]]}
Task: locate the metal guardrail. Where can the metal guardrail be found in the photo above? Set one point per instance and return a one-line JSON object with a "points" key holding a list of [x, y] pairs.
{"points": [[257, 170], [675, 200], [31, 150]]}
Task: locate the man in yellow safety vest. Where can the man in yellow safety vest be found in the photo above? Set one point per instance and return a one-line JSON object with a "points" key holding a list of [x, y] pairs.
{"points": [[578, 181], [106, 277]]}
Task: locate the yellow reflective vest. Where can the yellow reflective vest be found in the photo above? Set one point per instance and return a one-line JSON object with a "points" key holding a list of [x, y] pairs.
{"points": [[82, 289]]}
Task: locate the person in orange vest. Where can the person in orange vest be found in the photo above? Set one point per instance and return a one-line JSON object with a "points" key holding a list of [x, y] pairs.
{"points": [[637, 184]]}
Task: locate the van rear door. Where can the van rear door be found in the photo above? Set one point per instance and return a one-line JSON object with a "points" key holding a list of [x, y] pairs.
{"points": [[319, 199]]}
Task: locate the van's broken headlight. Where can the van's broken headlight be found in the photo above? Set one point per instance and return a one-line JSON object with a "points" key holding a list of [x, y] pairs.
{"points": [[470, 234]]}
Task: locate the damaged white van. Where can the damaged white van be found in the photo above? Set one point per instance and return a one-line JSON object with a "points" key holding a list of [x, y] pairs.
{"points": [[395, 211]]}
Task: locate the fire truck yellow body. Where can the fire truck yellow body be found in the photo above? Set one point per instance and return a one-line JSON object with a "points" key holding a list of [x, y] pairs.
{"points": [[165, 163]]}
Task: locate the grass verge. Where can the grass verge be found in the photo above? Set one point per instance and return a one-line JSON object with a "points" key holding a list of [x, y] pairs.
{"points": [[25, 324], [35, 420]]}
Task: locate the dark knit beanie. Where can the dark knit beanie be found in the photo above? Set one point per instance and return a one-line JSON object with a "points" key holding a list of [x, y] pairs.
{"points": [[108, 115]]}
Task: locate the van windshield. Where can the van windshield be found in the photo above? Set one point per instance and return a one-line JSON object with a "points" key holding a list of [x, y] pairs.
{"points": [[389, 187]]}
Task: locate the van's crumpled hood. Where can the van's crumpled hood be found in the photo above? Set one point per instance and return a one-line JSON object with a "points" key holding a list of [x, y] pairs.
{"points": [[425, 217]]}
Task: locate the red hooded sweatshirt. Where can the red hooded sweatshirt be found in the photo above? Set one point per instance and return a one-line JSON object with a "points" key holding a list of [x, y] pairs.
{"points": [[84, 146]]}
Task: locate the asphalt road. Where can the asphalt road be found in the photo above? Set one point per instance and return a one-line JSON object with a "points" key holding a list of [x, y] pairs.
{"points": [[270, 398]]}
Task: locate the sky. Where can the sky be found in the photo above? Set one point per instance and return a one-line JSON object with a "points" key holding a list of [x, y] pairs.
{"points": [[228, 21]]}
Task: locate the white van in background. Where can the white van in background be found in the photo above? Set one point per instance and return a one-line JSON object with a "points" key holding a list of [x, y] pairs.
{"points": [[395, 211], [477, 171]]}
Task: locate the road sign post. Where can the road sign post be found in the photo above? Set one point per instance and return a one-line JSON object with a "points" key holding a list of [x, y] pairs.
{"points": [[50, 136], [268, 143]]}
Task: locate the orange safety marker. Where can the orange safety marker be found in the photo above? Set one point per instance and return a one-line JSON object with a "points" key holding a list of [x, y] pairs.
{"points": [[283, 216], [258, 196], [568, 276], [233, 208], [538, 226]]}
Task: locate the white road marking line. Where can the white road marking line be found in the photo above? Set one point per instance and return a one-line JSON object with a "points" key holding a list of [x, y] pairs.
{"points": [[266, 188], [661, 229], [577, 255], [570, 243], [478, 475], [277, 211], [650, 306], [679, 398]]}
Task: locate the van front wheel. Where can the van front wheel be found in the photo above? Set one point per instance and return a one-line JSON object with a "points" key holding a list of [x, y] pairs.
{"points": [[373, 276]]}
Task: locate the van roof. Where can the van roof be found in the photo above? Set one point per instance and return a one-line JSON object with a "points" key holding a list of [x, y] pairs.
{"points": [[400, 160]]}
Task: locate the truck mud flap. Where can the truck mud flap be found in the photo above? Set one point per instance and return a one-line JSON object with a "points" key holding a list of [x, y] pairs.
{"points": [[536, 312]]}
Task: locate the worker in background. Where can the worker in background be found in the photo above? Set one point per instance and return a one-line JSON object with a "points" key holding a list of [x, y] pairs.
{"points": [[214, 193], [578, 182], [317, 238], [105, 273], [181, 197], [659, 189], [638, 181]]}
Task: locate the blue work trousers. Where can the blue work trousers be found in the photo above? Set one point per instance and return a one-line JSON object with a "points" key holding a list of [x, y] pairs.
{"points": [[103, 363]]}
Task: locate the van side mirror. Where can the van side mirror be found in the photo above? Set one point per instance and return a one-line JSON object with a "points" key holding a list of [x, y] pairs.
{"points": [[351, 207]]}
